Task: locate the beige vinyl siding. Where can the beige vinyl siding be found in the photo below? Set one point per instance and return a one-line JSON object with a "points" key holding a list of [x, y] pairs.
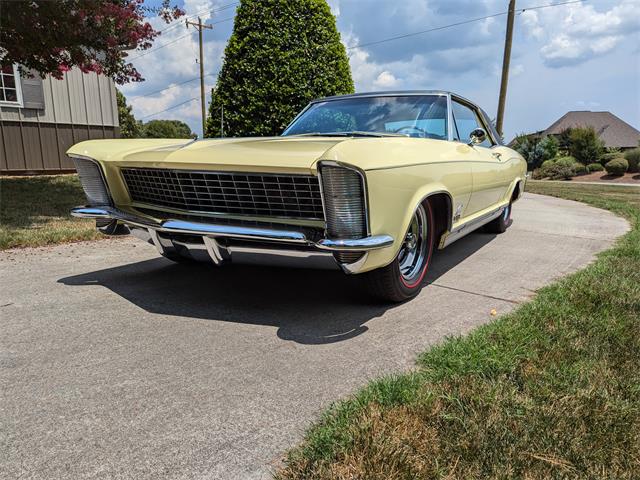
{"points": [[78, 107], [78, 99]]}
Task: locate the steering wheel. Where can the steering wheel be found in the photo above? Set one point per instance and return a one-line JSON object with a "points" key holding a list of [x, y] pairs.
{"points": [[411, 127]]}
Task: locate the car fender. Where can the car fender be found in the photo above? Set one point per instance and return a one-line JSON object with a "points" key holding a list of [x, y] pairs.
{"points": [[393, 198]]}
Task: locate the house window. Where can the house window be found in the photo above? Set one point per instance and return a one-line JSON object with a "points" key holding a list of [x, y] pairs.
{"points": [[10, 92]]}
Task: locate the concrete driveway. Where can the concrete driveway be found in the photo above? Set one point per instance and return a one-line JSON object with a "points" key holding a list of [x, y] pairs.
{"points": [[115, 363]]}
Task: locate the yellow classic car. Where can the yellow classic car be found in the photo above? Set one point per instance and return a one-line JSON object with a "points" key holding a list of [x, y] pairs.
{"points": [[372, 182]]}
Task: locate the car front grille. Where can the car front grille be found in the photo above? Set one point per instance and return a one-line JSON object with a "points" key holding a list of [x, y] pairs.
{"points": [[261, 195]]}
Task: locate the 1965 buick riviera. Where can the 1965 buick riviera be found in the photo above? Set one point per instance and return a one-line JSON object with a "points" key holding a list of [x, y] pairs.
{"points": [[373, 182]]}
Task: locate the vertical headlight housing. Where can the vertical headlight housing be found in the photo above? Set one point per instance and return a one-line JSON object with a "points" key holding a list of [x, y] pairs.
{"points": [[92, 182], [344, 197]]}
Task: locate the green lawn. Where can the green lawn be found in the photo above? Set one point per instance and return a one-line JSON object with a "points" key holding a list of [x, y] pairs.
{"points": [[34, 211], [551, 390]]}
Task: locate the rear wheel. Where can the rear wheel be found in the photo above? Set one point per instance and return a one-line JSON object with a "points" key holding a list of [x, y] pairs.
{"points": [[500, 224], [403, 278]]}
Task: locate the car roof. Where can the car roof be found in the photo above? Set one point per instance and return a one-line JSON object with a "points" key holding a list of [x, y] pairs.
{"points": [[392, 93]]}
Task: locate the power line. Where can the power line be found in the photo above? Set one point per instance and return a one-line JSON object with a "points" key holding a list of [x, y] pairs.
{"points": [[172, 86], [170, 108], [222, 21], [201, 12], [464, 22], [147, 52]]}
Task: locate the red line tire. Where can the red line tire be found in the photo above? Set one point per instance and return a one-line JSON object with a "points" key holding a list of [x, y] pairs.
{"points": [[404, 277]]}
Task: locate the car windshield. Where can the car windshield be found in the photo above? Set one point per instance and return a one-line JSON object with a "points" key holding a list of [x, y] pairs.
{"points": [[422, 116]]}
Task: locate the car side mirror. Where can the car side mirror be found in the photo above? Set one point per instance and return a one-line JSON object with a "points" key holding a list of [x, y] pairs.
{"points": [[477, 136]]}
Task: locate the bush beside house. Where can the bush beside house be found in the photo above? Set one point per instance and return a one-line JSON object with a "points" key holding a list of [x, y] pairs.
{"points": [[633, 158], [617, 166], [585, 146], [561, 168]]}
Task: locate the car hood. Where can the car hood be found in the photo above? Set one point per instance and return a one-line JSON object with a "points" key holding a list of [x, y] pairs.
{"points": [[294, 154], [269, 154]]}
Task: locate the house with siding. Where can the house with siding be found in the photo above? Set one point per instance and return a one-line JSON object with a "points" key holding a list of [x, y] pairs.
{"points": [[41, 118]]}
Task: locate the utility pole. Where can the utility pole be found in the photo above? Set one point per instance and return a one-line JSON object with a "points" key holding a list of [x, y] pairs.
{"points": [[200, 26], [505, 66]]}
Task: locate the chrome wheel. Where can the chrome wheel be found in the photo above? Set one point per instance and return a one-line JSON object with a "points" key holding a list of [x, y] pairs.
{"points": [[414, 250]]}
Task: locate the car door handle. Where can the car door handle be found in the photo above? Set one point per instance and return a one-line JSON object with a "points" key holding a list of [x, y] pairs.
{"points": [[497, 155]]}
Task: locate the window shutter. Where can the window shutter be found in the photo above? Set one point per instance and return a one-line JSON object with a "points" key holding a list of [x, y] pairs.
{"points": [[32, 92]]}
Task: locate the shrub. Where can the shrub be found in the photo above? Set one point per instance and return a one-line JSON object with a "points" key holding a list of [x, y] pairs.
{"points": [[617, 166], [633, 157], [534, 150], [595, 167], [581, 169], [547, 164], [607, 157], [537, 174], [562, 168], [584, 145]]}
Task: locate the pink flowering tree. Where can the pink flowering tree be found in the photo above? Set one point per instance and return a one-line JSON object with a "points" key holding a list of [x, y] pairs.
{"points": [[51, 37]]}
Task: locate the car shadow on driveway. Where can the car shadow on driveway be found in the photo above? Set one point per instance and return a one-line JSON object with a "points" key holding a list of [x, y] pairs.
{"points": [[307, 306]]}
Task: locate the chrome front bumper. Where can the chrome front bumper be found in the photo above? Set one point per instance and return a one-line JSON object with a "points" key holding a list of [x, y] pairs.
{"points": [[209, 233]]}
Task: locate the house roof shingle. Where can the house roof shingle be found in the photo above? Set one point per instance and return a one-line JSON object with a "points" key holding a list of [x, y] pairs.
{"points": [[615, 132]]}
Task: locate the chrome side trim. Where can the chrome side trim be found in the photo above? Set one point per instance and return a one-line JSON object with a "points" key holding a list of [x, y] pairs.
{"points": [[470, 226]]}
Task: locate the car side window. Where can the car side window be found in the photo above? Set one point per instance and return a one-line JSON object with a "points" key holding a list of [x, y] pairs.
{"points": [[465, 120]]}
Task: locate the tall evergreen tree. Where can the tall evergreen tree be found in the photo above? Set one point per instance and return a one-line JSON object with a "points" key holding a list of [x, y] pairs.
{"points": [[281, 55]]}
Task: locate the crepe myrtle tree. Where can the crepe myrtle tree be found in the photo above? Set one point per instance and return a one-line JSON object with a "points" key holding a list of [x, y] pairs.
{"points": [[281, 55], [52, 37]]}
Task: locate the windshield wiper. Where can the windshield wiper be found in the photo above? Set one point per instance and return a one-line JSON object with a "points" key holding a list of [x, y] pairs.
{"points": [[353, 133]]}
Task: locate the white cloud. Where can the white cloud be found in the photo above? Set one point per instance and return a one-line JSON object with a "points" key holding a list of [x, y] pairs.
{"points": [[583, 32], [517, 70], [530, 21], [385, 80], [335, 7]]}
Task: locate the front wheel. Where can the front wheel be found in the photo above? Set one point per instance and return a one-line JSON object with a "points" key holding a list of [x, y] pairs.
{"points": [[403, 278]]}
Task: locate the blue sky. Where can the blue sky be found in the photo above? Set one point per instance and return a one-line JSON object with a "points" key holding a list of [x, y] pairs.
{"points": [[583, 56]]}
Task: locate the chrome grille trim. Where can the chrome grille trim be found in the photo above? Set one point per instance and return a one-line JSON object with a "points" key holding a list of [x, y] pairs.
{"points": [[345, 200], [92, 181], [231, 193]]}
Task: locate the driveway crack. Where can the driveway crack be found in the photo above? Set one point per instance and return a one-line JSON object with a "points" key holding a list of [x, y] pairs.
{"points": [[515, 302]]}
